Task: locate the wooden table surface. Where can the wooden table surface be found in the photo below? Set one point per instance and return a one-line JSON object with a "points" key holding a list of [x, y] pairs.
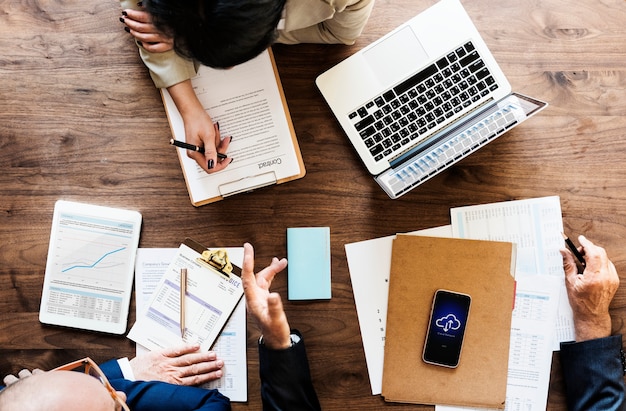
{"points": [[81, 120]]}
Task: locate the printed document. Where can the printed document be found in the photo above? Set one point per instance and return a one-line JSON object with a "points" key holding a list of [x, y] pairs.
{"points": [[533, 319], [369, 263], [535, 225], [248, 103], [210, 300], [530, 353], [230, 346]]}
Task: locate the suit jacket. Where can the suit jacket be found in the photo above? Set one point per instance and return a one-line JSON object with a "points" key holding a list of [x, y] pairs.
{"points": [[285, 385], [286, 380], [305, 21], [161, 396], [593, 372]]}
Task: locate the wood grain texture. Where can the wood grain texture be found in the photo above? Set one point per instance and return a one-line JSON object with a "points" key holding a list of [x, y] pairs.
{"points": [[80, 120]]}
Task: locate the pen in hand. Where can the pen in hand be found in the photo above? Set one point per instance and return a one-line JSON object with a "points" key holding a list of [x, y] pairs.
{"points": [[574, 250], [183, 292], [192, 147]]}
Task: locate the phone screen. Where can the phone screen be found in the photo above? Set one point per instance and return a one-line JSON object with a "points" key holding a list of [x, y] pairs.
{"points": [[446, 329]]}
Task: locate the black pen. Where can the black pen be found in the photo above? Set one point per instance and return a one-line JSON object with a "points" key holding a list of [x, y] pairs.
{"points": [[192, 147], [574, 250]]}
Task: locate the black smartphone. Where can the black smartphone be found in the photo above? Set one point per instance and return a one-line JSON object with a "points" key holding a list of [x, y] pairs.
{"points": [[446, 329]]}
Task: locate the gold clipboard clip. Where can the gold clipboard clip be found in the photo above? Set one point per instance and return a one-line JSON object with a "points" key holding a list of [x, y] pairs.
{"points": [[217, 260]]}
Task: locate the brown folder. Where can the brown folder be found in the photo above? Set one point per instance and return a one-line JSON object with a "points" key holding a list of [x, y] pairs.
{"points": [[482, 269]]}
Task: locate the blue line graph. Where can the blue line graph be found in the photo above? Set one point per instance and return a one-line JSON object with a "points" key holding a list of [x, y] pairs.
{"points": [[95, 263]]}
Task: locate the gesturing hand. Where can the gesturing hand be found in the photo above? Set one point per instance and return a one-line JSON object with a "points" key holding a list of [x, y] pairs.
{"points": [[266, 307]]}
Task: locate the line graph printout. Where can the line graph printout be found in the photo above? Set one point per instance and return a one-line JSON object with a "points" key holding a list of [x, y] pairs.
{"points": [[90, 266]]}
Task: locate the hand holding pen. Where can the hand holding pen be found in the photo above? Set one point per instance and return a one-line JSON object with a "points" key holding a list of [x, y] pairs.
{"points": [[591, 292], [192, 147], [209, 156], [574, 250], [199, 128]]}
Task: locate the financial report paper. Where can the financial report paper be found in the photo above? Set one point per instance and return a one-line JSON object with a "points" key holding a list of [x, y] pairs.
{"points": [[230, 346], [89, 270]]}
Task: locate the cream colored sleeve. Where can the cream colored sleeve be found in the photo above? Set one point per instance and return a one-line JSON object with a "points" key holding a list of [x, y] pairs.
{"points": [[168, 68], [325, 21]]}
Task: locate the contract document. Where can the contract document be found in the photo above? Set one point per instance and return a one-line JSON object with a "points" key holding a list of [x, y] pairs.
{"points": [[249, 104]]}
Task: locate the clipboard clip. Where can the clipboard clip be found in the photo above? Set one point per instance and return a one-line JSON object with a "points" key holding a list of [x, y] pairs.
{"points": [[217, 260], [247, 184]]}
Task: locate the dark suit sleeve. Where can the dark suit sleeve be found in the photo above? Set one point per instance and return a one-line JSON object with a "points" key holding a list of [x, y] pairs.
{"points": [[161, 396], [594, 374], [111, 369], [286, 379]]}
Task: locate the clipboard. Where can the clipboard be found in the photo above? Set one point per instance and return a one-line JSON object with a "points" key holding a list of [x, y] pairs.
{"points": [[249, 103], [212, 295]]}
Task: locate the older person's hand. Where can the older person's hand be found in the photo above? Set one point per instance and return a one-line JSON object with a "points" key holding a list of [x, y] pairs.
{"points": [[12, 379], [183, 365], [591, 292]]}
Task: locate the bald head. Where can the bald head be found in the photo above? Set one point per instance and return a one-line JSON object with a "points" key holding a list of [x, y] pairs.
{"points": [[57, 391]]}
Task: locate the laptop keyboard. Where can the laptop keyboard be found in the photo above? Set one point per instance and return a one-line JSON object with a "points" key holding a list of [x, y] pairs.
{"points": [[402, 178], [394, 119]]}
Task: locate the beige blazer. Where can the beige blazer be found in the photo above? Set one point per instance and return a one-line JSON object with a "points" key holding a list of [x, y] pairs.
{"points": [[305, 21]]}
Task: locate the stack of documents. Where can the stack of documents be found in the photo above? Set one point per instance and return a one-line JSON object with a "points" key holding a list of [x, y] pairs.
{"points": [[541, 318], [152, 272], [481, 270]]}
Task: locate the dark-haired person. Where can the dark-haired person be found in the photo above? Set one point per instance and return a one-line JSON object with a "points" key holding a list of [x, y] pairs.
{"points": [[164, 377], [593, 365], [175, 36]]}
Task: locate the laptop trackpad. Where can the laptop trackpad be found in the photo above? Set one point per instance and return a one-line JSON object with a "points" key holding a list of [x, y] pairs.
{"points": [[396, 57]]}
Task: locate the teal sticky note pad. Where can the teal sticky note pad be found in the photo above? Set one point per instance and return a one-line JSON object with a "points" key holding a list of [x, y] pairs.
{"points": [[308, 269]]}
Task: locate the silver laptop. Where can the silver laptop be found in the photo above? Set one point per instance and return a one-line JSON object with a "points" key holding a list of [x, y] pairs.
{"points": [[422, 98]]}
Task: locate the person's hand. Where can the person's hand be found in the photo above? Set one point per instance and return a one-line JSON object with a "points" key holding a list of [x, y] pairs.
{"points": [[591, 292], [201, 131], [264, 306], [12, 379], [199, 128], [139, 25], [183, 365]]}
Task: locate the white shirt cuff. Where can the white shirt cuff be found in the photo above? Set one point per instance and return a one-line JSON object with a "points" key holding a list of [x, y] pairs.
{"points": [[127, 371], [295, 339]]}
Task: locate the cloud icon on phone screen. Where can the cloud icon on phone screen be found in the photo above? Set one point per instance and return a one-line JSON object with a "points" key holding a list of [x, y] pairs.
{"points": [[448, 323]]}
